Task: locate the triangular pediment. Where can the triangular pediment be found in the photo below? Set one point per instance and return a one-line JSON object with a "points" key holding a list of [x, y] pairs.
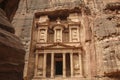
{"points": [[58, 46]]}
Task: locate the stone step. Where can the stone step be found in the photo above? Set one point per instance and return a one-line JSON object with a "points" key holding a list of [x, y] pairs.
{"points": [[60, 78]]}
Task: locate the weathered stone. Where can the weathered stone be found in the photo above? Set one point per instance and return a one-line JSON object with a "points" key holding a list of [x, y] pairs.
{"points": [[100, 33], [1, 1], [104, 28], [11, 49], [9, 7], [5, 24], [12, 56]]}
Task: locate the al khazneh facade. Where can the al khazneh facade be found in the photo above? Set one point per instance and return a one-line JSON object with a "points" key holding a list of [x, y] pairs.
{"points": [[58, 52]]}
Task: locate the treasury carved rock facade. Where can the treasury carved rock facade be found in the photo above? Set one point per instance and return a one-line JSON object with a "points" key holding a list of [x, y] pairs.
{"points": [[58, 51], [70, 40]]}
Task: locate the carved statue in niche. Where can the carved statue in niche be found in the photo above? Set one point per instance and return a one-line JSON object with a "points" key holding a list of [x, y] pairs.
{"points": [[50, 35], [40, 67], [58, 30], [76, 64], [74, 35], [42, 35], [58, 35]]}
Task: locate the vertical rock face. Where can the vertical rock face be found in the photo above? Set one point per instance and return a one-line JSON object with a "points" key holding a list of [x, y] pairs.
{"points": [[101, 34], [11, 49], [106, 37], [9, 6]]}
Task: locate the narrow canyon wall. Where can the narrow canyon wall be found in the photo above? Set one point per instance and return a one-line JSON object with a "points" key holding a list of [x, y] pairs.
{"points": [[11, 49]]}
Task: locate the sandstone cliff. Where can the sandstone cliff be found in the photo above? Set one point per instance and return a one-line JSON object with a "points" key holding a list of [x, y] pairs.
{"points": [[11, 50], [101, 40]]}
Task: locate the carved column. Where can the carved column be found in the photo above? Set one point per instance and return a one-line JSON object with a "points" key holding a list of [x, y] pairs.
{"points": [[52, 65], [80, 64], [71, 63], [70, 35], [44, 65], [61, 36], [64, 65], [78, 34], [36, 64], [55, 35], [46, 35], [38, 36]]}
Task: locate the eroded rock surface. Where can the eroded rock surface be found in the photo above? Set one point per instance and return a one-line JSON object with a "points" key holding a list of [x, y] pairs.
{"points": [[11, 49], [101, 35]]}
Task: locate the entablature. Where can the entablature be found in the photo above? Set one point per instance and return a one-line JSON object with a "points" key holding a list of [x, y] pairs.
{"points": [[72, 51], [59, 45]]}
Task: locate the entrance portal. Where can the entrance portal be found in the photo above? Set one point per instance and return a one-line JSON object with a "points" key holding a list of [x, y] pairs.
{"points": [[58, 64], [59, 68]]}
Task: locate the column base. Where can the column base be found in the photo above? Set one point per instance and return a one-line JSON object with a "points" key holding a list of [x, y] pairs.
{"points": [[71, 76], [64, 76], [37, 77], [52, 77], [61, 78]]}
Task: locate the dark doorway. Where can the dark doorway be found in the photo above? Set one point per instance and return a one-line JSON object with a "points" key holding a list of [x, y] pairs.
{"points": [[59, 68], [48, 67], [68, 65]]}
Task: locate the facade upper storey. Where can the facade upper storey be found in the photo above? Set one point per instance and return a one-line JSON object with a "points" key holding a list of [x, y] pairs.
{"points": [[60, 29]]}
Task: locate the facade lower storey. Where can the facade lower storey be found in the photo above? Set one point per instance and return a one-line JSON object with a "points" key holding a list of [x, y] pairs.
{"points": [[58, 63]]}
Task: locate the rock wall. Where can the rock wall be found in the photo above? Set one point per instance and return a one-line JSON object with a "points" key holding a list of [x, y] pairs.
{"points": [[23, 26], [101, 38], [11, 49], [105, 37]]}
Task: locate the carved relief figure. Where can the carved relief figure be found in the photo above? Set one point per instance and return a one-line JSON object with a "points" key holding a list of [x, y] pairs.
{"points": [[58, 35], [74, 35]]}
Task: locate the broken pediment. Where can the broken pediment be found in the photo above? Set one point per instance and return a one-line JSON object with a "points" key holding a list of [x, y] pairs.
{"points": [[71, 23], [43, 19], [74, 17]]}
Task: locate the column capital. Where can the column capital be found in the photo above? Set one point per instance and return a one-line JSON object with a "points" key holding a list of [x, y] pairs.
{"points": [[36, 64], [36, 53], [45, 53], [64, 53], [80, 52]]}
